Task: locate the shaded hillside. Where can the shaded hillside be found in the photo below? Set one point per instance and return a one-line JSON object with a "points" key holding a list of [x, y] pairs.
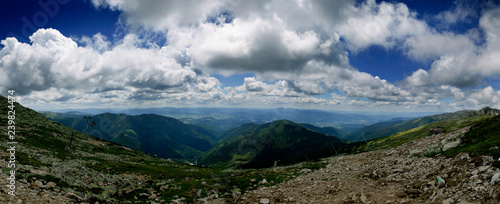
{"points": [[280, 141], [388, 128], [153, 134]]}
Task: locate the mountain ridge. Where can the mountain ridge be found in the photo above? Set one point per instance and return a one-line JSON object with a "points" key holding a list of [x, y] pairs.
{"points": [[277, 142], [154, 134], [391, 127]]}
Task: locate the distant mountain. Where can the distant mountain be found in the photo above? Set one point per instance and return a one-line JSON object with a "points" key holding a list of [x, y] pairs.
{"points": [[55, 115], [154, 134], [330, 131], [219, 120], [257, 146], [394, 126], [219, 126]]}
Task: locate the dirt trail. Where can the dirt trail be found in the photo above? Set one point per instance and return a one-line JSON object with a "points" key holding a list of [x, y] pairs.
{"points": [[398, 175]]}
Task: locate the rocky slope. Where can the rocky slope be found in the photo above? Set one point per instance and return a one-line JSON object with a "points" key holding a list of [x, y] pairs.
{"points": [[405, 174]]}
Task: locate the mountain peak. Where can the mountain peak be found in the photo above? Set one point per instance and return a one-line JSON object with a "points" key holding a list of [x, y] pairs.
{"points": [[490, 111]]}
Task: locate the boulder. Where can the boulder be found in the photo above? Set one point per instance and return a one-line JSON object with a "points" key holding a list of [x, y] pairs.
{"points": [[74, 197], [38, 184], [50, 185], [37, 172], [264, 201], [450, 145], [495, 179]]}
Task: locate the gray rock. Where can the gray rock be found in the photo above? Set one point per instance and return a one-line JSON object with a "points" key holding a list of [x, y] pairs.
{"points": [[448, 201], [416, 153], [394, 171], [74, 197], [450, 145], [495, 179], [38, 184], [37, 172], [50, 185], [363, 198], [483, 168], [264, 201]]}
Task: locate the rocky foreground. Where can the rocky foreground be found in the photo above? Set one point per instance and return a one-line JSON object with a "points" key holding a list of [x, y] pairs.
{"points": [[411, 173]]}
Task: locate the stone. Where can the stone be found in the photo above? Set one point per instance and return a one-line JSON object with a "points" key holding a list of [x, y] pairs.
{"points": [[448, 201], [74, 197], [127, 191], [450, 145], [363, 198], [394, 171], [412, 191], [495, 179], [37, 172], [264, 181], [416, 153], [475, 172], [93, 199], [164, 187], [264, 200], [38, 184], [483, 168], [400, 194], [473, 178], [50, 185]]}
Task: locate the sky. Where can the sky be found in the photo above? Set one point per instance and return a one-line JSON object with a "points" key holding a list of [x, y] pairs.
{"points": [[405, 56]]}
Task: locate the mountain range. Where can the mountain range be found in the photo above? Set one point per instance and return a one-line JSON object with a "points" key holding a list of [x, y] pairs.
{"points": [[170, 138], [153, 134], [227, 142]]}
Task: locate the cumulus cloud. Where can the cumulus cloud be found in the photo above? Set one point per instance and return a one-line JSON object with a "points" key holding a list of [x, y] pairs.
{"points": [[53, 60], [162, 15], [252, 45], [462, 11], [295, 49], [460, 62]]}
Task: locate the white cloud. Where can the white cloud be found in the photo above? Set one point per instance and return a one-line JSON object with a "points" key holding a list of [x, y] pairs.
{"points": [[161, 15], [53, 60], [296, 49], [460, 62], [461, 11], [251, 45], [486, 96]]}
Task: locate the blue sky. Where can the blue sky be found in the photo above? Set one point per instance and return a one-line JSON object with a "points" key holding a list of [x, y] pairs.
{"points": [[340, 55]]}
